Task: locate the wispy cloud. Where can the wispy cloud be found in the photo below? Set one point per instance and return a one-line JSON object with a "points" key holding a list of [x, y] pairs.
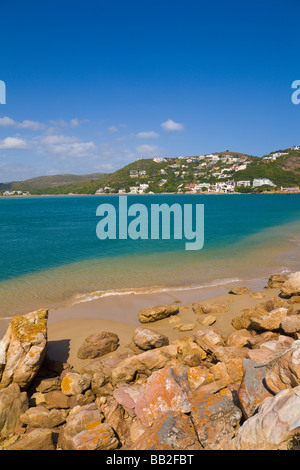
{"points": [[148, 151], [171, 125], [66, 146], [26, 124], [147, 135]]}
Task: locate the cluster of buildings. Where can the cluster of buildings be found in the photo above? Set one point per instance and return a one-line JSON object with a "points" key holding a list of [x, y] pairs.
{"points": [[16, 193], [228, 186]]}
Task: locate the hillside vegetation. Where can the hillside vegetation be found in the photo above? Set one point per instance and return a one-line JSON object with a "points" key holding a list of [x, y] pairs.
{"points": [[177, 174]]}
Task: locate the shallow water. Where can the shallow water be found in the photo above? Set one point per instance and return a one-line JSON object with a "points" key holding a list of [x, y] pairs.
{"points": [[51, 256]]}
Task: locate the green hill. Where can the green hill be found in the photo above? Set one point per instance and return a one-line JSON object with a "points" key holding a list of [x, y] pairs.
{"points": [[174, 174]]}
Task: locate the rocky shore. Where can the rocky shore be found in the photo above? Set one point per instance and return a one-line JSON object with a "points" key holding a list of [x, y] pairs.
{"points": [[203, 390]]}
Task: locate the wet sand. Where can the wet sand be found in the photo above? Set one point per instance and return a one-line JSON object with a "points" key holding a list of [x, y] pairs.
{"points": [[68, 327]]}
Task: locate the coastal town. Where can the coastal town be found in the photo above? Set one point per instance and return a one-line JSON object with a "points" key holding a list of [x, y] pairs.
{"points": [[215, 173], [211, 173]]}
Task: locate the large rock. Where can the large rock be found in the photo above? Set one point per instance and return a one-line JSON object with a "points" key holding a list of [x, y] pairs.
{"points": [[98, 344], [173, 431], [143, 364], [285, 369], [204, 309], [209, 340], [292, 285], [166, 390], [100, 437], [127, 395], [74, 383], [146, 339], [38, 439], [40, 417], [276, 280], [290, 324], [81, 418], [116, 416], [252, 391], [271, 321], [239, 291], [13, 403], [215, 418], [274, 425], [152, 314], [23, 349]]}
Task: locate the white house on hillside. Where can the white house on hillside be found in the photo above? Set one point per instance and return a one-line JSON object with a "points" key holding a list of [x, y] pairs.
{"points": [[261, 182]]}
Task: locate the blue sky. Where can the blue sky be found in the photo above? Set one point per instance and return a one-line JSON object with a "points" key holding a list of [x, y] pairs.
{"points": [[92, 85]]}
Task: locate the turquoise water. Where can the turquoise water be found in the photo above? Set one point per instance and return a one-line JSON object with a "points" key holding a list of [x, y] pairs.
{"points": [[50, 252]]}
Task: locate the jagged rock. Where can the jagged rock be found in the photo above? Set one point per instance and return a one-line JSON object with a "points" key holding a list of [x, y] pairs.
{"points": [[257, 295], [225, 353], [214, 418], [207, 320], [48, 384], [271, 321], [56, 399], [23, 349], [114, 415], [146, 339], [152, 314], [208, 340], [144, 363], [285, 371], [13, 403], [252, 391], [127, 395], [98, 344], [172, 431], [239, 291], [276, 280], [74, 383], [204, 309], [81, 418], [239, 338], [273, 426], [198, 376], [166, 390], [82, 399], [290, 324], [100, 437], [261, 310], [292, 285], [40, 417], [38, 439]]}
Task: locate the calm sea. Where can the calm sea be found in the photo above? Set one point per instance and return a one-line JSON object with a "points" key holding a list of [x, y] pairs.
{"points": [[50, 254]]}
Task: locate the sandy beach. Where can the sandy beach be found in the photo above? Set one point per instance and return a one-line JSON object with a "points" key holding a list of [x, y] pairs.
{"points": [[68, 327]]}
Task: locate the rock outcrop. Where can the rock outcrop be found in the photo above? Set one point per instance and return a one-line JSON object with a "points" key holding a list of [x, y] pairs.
{"points": [[200, 391]]}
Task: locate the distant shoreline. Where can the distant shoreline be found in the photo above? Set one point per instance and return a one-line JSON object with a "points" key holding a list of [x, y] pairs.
{"points": [[204, 193]]}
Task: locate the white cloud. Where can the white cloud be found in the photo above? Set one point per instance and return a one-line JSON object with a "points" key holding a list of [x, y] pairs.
{"points": [[113, 129], [14, 143], [75, 122], [171, 125], [147, 135], [66, 146], [33, 125], [148, 151], [6, 122], [58, 139], [26, 124]]}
